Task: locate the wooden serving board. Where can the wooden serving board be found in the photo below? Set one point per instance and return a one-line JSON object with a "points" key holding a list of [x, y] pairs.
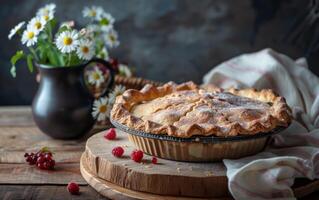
{"points": [[121, 177]]}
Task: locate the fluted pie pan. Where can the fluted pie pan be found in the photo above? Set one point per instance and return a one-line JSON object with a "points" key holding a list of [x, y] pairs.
{"points": [[188, 122], [197, 148]]}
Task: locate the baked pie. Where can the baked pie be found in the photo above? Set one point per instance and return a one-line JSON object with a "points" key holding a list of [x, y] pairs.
{"points": [[186, 110]]}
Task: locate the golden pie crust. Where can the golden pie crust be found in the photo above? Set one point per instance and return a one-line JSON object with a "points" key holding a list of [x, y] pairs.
{"points": [[187, 110]]}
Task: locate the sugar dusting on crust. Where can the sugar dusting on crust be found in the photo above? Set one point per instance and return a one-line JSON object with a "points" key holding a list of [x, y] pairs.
{"points": [[186, 110]]}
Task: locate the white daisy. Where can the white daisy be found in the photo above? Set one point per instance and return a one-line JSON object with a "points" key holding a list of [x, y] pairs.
{"points": [[37, 23], [101, 109], [96, 77], [93, 28], [92, 12], [15, 30], [47, 12], [111, 39], [104, 54], [106, 21], [85, 49], [29, 37], [125, 70], [118, 90], [67, 41]]}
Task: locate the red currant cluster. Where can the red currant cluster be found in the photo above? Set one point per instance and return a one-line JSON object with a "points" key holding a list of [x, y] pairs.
{"points": [[43, 159]]}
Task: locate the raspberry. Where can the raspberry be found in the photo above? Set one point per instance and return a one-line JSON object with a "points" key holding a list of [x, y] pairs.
{"points": [[110, 134], [118, 151], [154, 160], [137, 155], [73, 188]]}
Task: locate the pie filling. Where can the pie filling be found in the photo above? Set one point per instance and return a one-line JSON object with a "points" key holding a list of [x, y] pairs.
{"points": [[187, 110]]}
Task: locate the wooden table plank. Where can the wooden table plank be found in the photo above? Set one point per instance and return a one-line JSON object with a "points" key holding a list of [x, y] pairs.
{"points": [[15, 141], [52, 192], [26, 174], [16, 116]]}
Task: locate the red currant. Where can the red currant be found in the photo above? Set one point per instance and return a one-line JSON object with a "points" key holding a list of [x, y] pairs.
{"points": [[154, 160], [42, 159], [73, 188], [137, 155], [110, 134], [118, 151]]}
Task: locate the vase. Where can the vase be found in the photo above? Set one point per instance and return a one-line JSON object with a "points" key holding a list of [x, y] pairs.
{"points": [[62, 106]]}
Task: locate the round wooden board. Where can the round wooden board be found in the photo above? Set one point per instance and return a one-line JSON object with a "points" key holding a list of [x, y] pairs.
{"points": [[170, 179], [113, 191]]}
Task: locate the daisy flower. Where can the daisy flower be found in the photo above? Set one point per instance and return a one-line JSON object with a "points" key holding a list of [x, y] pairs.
{"points": [[104, 54], [96, 77], [125, 70], [118, 90], [101, 109], [111, 39], [37, 23], [93, 28], [85, 49], [67, 41], [47, 12], [93, 12], [29, 37], [15, 30], [106, 21]]}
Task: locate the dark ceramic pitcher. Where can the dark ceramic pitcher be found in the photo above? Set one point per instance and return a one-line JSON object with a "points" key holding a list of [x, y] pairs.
{"points": [[62, 105]]}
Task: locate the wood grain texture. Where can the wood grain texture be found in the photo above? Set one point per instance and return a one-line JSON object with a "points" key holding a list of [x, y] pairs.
{"points": [[166, 178], [16, 116], [26, 174], [52, 192], [114, 191]]}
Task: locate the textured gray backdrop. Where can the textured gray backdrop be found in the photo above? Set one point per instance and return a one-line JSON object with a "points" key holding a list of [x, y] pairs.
{"points": [[166, 40]]}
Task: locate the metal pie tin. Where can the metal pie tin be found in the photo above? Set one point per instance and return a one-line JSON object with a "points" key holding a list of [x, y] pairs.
{"points": [[197, 148]]}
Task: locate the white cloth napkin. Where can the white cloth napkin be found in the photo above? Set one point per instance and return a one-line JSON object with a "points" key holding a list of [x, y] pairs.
{"points": [[292, 153]]}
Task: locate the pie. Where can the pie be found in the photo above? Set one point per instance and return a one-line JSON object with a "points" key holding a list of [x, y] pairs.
{"points": [[186, 110]]}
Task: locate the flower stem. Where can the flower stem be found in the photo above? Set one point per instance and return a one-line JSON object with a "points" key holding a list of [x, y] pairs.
{"points": [[69, 59], [34, 53]]}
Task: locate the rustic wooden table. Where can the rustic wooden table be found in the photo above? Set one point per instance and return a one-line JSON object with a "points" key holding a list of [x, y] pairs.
{"points": [[18, 134], [18, 180]]}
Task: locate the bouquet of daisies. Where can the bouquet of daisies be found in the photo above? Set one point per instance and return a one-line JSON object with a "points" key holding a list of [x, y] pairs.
{"points": [[62, 45], [67, 46]]}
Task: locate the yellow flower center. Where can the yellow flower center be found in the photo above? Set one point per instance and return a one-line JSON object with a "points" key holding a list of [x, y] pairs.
{"points": [[102, 109], [85, 49], [93, 13], [38, 25], [30, 35], [96, 76], [112, 38], [67, 41], [46, 17]]}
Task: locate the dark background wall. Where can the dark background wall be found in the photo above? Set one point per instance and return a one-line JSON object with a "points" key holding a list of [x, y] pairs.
{"points": [[166, 40]]}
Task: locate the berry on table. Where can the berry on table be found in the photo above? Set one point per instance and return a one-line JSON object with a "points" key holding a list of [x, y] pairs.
{"points": [[118, 151], [110, 134], [41, 159], [154, 160], [73, 188], [137, 155]]}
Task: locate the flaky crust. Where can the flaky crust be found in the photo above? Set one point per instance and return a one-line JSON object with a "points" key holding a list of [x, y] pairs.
{"points": [[187, 110]]}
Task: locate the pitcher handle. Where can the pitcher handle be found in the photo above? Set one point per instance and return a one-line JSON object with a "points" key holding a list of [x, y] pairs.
{"points": [[111, 71]]}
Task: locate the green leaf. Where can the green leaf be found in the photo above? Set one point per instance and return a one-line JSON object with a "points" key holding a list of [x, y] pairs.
{"points": [[104, 21], [14, 60], [30, 62], [13, 71]]}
